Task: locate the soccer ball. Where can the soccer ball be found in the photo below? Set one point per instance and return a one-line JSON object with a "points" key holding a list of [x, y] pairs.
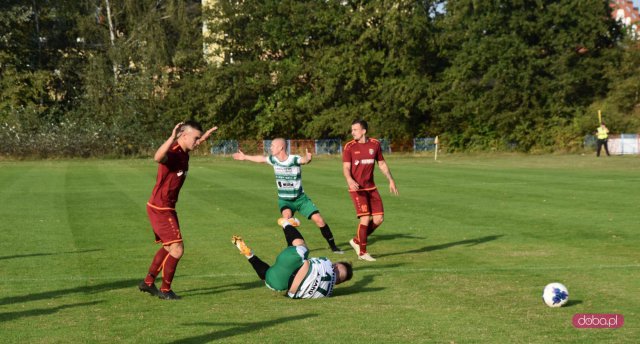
{"points": [[555, 294]]}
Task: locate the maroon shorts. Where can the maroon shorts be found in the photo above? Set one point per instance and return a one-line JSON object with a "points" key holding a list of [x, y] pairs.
{"points": [[164, 222], [367, 202]]}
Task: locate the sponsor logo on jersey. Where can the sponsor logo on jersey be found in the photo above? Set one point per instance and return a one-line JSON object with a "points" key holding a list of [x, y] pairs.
{"points": [[368, 161], [357, 162], [313, 288], [286, 184], [286, 170]]}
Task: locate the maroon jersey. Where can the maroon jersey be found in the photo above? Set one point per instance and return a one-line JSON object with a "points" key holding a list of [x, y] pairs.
{"points": [[171, 176], [363, 157]]}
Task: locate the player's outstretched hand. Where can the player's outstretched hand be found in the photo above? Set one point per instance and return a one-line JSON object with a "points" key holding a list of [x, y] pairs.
{"points": [[206, 135], [209, 132], [307, 157], [238, 156]]}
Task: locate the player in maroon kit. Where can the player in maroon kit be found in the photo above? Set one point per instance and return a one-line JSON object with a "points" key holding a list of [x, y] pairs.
{"points": [[173, 163], [358, 161]]}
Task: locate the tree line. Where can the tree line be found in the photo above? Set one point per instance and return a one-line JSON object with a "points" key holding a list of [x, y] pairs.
{"points": [[112, 77]]}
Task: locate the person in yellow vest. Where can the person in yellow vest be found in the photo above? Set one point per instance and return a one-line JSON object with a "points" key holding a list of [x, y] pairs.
{"points": [[602, 133]]}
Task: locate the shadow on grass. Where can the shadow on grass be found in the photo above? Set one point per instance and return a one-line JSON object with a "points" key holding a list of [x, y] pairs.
{"points": [[469, 242], [383, 237], [99, 288], [18, 256], [358, 287], [224, 288], [237, 328], [42, 311], [572, 303]]}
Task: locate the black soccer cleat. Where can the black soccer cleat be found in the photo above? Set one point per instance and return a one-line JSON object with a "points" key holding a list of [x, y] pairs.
{"points": [[151, 289], [169, 295]]}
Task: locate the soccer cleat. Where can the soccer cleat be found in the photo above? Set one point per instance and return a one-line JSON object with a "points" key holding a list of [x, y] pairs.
{"points": [[151, 289], [367, 257], [355, 246], [168, 295], [290, 221], [244, 249]]}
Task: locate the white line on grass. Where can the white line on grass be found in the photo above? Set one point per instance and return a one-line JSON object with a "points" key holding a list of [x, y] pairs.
{"points": [[499, 269]]}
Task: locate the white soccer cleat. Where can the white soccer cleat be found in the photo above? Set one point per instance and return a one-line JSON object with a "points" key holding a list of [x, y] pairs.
{"points": [[355, 246], [367, 257], [290, 221]]}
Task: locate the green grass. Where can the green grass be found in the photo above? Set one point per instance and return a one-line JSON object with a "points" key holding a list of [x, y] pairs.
{"points": [[464, 252]]}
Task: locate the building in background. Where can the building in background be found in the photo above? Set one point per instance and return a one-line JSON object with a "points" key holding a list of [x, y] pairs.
{"points": [[212, 52], [625, 12]]}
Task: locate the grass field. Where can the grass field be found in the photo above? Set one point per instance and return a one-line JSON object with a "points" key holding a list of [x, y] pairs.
{"points": [[464, 253]]}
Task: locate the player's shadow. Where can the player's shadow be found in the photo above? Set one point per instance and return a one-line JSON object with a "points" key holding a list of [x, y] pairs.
{"points": [[383, 237], [237, 328], [223, 288], [468, 242], [9, 316], [28, 255], [359, 287], [98, 288]]}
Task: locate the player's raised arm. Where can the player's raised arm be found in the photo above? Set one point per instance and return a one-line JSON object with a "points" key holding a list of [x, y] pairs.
{"points": [[161, 153], [255, 158], [206, 135], [387, 173], [306, 158]]}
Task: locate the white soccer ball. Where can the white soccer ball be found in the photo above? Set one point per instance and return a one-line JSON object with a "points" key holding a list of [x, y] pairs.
{"points": [[555, 294]]}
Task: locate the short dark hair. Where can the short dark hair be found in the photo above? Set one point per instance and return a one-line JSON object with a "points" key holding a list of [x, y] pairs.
{"points": [[362, 123], [191, 124], [349, 269]]}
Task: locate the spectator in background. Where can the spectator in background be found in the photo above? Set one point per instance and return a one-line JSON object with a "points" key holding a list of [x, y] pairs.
{"points": [[602, 134]]}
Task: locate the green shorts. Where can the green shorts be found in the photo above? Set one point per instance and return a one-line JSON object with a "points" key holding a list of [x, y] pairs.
{"points": [[288, 262], [302, 204]]}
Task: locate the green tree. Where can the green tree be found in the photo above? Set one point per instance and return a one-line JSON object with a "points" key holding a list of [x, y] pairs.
{"points": [[521, 70], [621, 106], [317, 65], [127, 79]]}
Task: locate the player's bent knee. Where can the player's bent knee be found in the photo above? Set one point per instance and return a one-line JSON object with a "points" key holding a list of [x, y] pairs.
{"points": [[176, 250], [298, 242], [365, 219], [319, 221]]}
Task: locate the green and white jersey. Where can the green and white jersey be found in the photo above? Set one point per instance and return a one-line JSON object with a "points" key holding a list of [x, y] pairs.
{"points": [[318, 282], [288, 176]]}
